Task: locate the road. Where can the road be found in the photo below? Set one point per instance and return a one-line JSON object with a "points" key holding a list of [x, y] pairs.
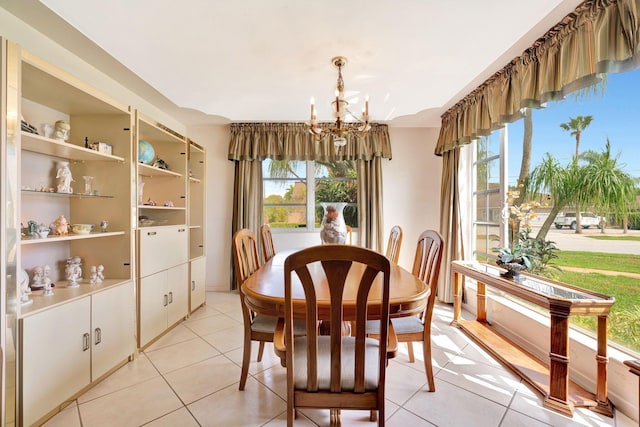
{"points": [[566, 239]]}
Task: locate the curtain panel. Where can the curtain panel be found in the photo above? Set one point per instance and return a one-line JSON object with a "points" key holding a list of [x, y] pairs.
{"points": [[292, 141], [600, 36]]}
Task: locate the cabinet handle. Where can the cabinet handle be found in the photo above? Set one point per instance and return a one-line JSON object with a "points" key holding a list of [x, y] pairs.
{"points": [[170, 297], [98, 336], [166, 300], [181, 230], [193, 285], [151, 233], [85, 341]]}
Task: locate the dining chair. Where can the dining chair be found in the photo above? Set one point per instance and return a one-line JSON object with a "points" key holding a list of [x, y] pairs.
{"points": [[336, 371], [394, 244], [426, 266], [268, 250], [257, 327]]}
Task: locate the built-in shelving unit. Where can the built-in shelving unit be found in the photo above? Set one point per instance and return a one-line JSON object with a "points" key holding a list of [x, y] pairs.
{"points": [[197, 254]]}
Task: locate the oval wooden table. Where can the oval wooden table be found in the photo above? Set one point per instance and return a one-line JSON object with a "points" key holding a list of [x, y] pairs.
{"points": [[264, 292]]}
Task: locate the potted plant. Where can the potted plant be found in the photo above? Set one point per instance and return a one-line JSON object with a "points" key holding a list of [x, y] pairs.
{"points": [[514, 260]]}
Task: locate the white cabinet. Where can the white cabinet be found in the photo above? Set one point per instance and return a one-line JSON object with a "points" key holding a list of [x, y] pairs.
{"points": [[161, 248], [163, 301], [68, 346], [197, 276]]}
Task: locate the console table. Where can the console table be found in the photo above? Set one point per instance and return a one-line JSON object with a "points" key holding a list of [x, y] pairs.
{"points": [[551, 378]]}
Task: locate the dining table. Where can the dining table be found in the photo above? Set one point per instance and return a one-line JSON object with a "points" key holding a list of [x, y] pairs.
{"points": [[264, 291]]}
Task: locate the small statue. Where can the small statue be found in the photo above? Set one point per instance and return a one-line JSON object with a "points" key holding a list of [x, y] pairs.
{"points": [[73, 271], [25, 290], [60, 226], [103, 225], [100, 274], [160, 164], [37, 277], [64, 178], [93, 276], [43, 231], [46, 280], [61, 131], [32, 227]]}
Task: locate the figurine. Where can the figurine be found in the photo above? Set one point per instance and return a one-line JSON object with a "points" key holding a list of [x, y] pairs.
{"points": [[47, 289], [168, 204], [93, 276], [37, 277], [160, 164], [151, 202], [46, 280], [60, 226], [32, 227], [61, 131], [103, 225], [100, 274], [25, 290], [73, 271], [64, 178]]}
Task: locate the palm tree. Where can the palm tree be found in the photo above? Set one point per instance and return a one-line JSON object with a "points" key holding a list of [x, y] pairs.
{"points": [[608, 187], [549, 177], [576, 125]]}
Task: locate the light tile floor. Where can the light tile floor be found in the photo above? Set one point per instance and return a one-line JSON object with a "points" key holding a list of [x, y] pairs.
{"points": [[189, 377]]}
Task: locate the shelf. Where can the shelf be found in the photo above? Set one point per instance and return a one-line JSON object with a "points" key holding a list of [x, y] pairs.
{"points": [[40, 144], [56, 194], [195, 180], [62, 294], [150, 171], [194, 227], [163, 208], [28, 240]]}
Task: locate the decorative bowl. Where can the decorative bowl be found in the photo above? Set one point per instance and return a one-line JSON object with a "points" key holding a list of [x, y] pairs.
{"points": [[82, 228]]}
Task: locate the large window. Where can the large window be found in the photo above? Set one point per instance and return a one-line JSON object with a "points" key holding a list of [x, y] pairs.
{"points": [[293, 191], [488, 194]]}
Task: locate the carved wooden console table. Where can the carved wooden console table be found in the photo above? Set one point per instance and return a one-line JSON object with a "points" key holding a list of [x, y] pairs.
{"points": [[550, 379]]}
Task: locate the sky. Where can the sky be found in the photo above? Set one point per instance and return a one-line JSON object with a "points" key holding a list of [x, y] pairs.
{"points": [[616, 115]]}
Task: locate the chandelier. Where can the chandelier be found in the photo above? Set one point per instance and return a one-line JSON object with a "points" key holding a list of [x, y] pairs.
{"points": [[340, 111]]}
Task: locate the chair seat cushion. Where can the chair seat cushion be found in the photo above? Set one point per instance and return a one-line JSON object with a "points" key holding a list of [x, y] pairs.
{"points": [[324, 363], [402, 325], [267, 324]]}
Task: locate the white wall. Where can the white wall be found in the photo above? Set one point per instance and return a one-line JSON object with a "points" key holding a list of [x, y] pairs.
{"points": [[412, 187]]}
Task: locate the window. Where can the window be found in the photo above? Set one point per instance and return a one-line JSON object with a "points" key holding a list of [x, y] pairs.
{"points": [[293, 191], [488, 194]]}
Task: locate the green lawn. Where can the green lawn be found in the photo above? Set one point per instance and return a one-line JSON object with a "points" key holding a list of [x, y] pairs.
{"points": [[599, 260], [624, 320], [605, 237]]}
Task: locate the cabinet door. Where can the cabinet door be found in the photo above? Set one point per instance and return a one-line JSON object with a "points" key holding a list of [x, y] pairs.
{"points": [[178, 288], [153, 306], [55, 357], [162, 248], [113, 328], [198, 282]]}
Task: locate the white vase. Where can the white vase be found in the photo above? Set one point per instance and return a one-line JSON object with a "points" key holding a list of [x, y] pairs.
{"points": [[333, 229]]}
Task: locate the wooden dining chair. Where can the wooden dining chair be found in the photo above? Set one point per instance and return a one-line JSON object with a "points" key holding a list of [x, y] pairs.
{"points": [[268, 250], [337, 372], [257, 327], [426, 266], [394, 244]]}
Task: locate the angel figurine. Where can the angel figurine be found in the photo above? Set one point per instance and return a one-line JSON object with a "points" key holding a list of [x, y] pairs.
{"points": [[64, 178]]}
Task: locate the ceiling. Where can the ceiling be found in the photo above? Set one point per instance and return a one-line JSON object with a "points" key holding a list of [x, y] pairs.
{"points": [[208, 61]]}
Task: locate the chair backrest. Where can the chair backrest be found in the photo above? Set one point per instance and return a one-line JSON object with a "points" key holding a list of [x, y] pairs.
{"points": [[394, 244], [326, 269], [426, 265], [268, 250], [245, 254]]}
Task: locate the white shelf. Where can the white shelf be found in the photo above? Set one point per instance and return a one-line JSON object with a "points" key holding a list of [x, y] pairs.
{"points": [[75, 195], [150, 171], [36, 240], [40, 144], [195, 180], [164, 208]]}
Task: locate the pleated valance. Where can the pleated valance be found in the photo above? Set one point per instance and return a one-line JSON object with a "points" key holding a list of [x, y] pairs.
{"points": [[292, 141], [599, 36]]}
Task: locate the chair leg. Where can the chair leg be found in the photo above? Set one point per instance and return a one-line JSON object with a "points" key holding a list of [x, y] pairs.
{"points": [[411, 356], [373, 415], [246, 360], [260, 351], [335, 419], [428, 368]]}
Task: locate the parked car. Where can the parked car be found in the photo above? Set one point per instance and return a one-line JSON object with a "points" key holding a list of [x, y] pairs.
{"points": [[587, 219]]}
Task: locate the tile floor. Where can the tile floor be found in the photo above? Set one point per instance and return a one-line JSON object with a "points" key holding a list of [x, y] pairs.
{"points": [[190, 376]]}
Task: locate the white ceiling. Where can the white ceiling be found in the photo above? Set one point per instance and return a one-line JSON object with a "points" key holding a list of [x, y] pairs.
{"points": [[257, 60]]}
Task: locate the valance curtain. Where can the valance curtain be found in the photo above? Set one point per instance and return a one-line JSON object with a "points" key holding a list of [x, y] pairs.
{"points": [[599, 36], [250, 143]]}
